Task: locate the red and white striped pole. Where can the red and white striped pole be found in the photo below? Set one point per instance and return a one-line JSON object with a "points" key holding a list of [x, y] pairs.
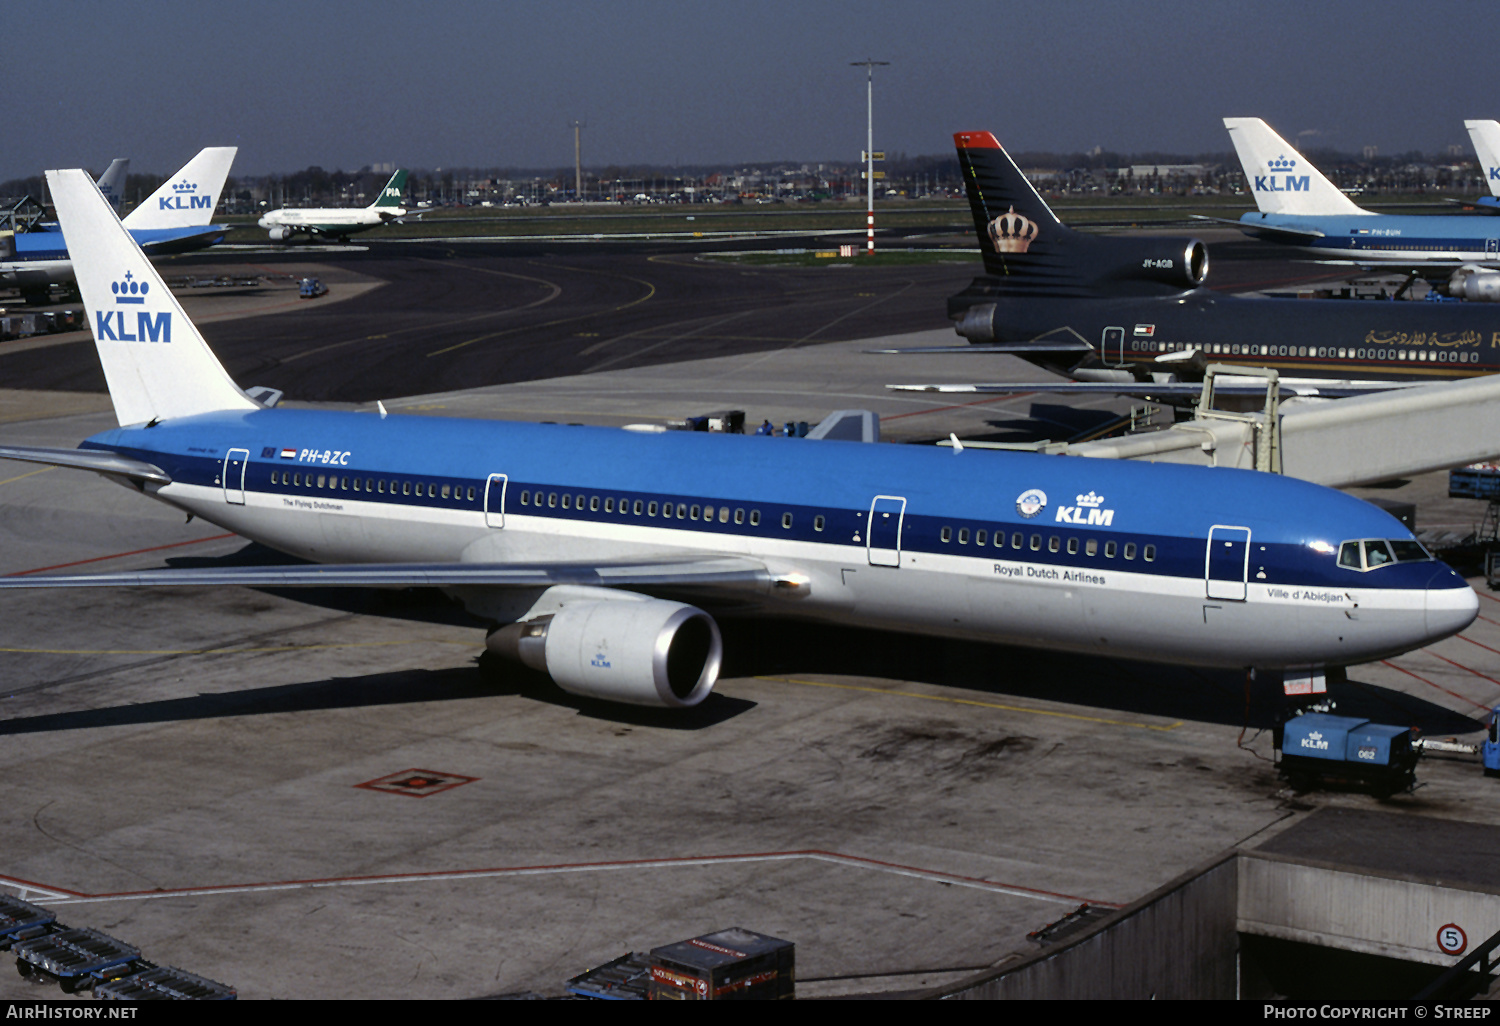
{"points": [[869, 66]]}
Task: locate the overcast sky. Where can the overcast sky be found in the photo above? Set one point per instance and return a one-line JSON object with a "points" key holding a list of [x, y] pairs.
{"points": [[451, 84]]}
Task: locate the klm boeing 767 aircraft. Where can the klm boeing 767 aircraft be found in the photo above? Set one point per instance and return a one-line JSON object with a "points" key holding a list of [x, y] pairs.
{"points": [[601, 555]]}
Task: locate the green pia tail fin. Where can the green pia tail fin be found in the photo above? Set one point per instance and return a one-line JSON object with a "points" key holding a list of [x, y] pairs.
{"points": [[390, 196]]}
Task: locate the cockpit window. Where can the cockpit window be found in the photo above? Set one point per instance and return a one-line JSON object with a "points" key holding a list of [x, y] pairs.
{"points": [[1370, 553]]}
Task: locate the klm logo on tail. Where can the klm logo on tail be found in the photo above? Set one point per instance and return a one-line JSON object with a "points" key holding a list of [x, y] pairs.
{"points": [[183, 198], [149, 327], [1286, 183], [1494, 174]]}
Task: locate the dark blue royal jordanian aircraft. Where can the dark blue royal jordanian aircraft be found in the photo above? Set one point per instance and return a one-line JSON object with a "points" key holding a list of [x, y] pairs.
{"points": [[1131, 315], [598, 554]]}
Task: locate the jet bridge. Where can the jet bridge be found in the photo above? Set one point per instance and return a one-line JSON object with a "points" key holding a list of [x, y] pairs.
{"points": [[1338, 442]]}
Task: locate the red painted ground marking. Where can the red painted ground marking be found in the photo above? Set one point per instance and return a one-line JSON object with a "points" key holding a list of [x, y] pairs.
{"points": [[1483, 595], [122, 555], [1488, 620], [1461, 666], [960, 406], [1424, 680], [416, 783], [458, 874], [1481, 644]]}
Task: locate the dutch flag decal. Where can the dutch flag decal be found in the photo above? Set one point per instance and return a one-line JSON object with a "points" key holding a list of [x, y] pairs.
{"points": [[289, 454]]}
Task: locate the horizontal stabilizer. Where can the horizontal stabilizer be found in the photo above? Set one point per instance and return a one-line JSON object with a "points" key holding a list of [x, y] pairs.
{"points": [[88, 459], [717, 572], [1270, 232]]}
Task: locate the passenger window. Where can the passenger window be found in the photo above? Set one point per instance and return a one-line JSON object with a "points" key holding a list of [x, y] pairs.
{"points": [[445, 491], [739, 516], [723, 514], [525, 498], [666, 510], [357, 484], [380, 485], [1036, 543], [593, 503], [693, 513], [786, 521], [1072, 546], [755, 518], [431, 490], [947, 535], [471, 493], [1110, 548], [1054, 543], [567, 501], [1349, 555], [321, 479], [1150, 553], [405, 487], [636, 509], [681, 510], [609, 504], [1130, 550], [1015, 540], [963, 536], [651, 509], [818, 522], [981, 537], [1091, 548], [708, 512]]}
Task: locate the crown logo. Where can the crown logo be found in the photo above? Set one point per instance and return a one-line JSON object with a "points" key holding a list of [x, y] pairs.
{"points": [[1090, 501], [184, 186], [1281, 164], [1012, 233], [128, 290]]}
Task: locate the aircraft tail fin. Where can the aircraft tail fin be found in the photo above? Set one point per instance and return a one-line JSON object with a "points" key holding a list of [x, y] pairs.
{"points": [[391, 195], [1486, 138], [189, 197], [156, 363], [112, 182], [1282, 180]]}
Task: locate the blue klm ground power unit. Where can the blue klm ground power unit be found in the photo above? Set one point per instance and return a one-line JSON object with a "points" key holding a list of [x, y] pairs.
{"points": [[1322, 750]]}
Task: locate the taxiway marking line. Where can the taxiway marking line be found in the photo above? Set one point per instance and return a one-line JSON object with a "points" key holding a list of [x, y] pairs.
{"points": [[1481, 644], [31, 473], [1461, 666], [971, 701], [121, 555], [1424, 680], [66, 897]]}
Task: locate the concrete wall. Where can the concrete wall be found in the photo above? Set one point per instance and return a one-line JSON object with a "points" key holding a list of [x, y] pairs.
{"points": [[1178, 942], [1359, 911]]}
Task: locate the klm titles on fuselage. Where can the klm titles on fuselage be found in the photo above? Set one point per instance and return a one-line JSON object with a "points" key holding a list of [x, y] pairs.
{"points": [[183, 198]]}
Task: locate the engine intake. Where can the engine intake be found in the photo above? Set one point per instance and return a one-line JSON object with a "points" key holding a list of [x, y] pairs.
{"points": [[633, 649], [280, 234], [1180, 263]]}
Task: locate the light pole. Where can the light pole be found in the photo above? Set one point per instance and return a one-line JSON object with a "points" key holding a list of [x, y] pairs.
{"points": [[869, 66]]}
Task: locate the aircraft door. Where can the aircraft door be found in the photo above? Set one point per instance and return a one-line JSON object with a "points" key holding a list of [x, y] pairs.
{"points": [[1227, 563], [494, 500], [883, 539], [1492, 248], [1112, 347], [235, 464]]}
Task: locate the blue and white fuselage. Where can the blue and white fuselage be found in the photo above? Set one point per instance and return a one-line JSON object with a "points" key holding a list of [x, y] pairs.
{"points": [[1213, 567], [593, 549]]}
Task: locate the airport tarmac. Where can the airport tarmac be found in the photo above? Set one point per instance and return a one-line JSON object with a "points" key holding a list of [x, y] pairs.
{"points": [[333, 794]]}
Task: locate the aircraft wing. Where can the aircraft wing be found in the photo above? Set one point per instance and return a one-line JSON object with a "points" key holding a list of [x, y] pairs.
{"points": [[1067, 346], [1173, 389], [705, 571], [88, 459], [1269, 232]]}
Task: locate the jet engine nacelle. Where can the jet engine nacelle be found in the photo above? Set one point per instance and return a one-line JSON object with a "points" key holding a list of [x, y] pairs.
{"points": [[633, 649], [281, 233], [1181, 263], [1479, 284]]}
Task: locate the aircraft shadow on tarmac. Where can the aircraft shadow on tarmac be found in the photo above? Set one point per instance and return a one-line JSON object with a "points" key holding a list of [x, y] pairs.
{"points": [[772, 648]]}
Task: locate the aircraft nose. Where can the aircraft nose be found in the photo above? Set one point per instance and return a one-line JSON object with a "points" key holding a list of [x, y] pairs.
{"points": [[1449, 609]]}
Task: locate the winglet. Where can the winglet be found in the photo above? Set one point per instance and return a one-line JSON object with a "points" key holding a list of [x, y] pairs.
{"points": [[156, 364]]}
